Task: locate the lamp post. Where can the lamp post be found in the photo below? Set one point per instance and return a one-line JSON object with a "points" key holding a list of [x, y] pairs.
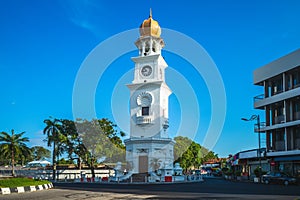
{"points": [[256, 117]]}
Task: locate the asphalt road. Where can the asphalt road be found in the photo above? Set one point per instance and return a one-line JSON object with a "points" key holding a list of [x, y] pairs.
{"points": [[209, 189]]}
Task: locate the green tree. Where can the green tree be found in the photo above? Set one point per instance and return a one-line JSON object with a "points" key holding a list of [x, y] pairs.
{"points": [[102, 139], [190, 154], [91, 136], [54, 137], [4, 160], [85, 140], [196, 154], [209, 156], [181, 145], [13, 146], [25, 157], [40, 153], [64, 161], [183, 152], [73, 144]]}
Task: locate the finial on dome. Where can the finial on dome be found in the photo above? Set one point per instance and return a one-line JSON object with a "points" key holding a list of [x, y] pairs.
{"points": [[150, 27], [150, 15]]}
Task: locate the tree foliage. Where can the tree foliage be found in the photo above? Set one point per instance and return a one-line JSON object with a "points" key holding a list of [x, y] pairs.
{"points": [[85, 141], [102, 139], [13, 147], [55, 138], [190, 154], [72, 144], [63, 161], [40, 153]]}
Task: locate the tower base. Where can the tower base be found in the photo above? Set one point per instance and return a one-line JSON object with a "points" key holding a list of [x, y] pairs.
{"points": [[145, 155]]}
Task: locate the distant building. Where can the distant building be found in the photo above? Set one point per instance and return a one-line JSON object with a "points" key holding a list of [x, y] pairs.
{"points": [[280, 81], [247, 161]]}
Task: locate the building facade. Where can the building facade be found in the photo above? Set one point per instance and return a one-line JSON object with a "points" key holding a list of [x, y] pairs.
{"points": [[247, 161], [280, 101], [149, 147]]}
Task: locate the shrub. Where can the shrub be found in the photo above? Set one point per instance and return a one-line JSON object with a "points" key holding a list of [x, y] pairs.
{"points": [[238, 173], [258, 171], [18, 182]]}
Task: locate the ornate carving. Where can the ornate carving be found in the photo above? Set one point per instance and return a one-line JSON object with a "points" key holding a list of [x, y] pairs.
{"points": [[144, 99], [142, 150]]}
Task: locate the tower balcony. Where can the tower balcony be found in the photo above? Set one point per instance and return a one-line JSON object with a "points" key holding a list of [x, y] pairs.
{"points": [[144, 119]]}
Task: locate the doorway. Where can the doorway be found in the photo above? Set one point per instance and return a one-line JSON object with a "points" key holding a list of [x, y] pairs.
{"points": [[143, 164]]}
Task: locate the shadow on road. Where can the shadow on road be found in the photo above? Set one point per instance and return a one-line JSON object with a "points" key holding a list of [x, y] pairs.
{"points": [[212, 186]]}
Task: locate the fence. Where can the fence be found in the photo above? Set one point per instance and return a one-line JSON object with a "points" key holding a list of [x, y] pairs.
{"points": [[69, 174]]}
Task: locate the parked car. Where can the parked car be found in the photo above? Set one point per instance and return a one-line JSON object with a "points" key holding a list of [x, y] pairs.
{"points": [[206, 171], [278, 177], [217, 172]]}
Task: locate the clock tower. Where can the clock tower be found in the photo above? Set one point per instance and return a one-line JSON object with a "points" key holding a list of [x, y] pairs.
{"points": [[149, 147]]}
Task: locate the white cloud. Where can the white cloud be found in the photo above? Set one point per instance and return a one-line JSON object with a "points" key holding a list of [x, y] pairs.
{"points": [[82, 13]]}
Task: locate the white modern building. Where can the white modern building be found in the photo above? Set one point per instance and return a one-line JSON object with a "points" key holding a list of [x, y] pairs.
{"points": [[149, 147], [280, 100]]}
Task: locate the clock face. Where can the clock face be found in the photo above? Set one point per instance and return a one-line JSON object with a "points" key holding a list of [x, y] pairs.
{"points": [[146, 70]]}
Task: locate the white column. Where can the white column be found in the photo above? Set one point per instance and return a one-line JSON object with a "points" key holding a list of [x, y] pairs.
{"points": [[143, 48], [150, 51], [284, 110]]}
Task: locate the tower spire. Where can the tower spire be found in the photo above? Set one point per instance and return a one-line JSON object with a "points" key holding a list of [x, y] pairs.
{"points": [[150, 15]]}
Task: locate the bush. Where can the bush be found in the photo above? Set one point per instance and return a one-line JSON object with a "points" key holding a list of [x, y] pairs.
{"points": [[258, 172], [227, 172], [238, 173], [18, 182]]}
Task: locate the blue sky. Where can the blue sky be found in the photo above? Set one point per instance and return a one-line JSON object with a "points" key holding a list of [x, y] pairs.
{"points": [[43, 45]]}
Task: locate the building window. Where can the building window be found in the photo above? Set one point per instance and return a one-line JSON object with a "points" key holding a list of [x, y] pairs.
{"points": [[278, 114], [296, 79], [145, 111], [296, 138], [279, 140], [296, 110], [279, 135], [277, 86], [296, 169]]}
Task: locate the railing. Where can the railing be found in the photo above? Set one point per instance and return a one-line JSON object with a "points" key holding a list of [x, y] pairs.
{"points": [[279, 119], [144, 120], [259, 97], [296, 85], [277, 92], [279, 146], [60, 174], [261, 126]]}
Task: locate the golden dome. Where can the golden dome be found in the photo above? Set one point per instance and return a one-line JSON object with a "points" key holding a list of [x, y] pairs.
{"points": [[150, 27]]}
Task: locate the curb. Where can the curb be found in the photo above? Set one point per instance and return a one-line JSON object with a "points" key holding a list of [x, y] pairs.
{"points": [[25, 189]]}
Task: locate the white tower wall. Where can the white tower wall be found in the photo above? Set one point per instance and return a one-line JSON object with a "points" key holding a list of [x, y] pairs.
{"points": [[149, 141]]}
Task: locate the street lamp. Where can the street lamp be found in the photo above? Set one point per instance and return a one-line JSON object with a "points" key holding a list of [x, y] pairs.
{"points": [[256, 117]]}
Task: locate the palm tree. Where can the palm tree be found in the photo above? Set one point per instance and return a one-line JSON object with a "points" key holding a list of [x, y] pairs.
{"points": [[53, 131], [13, 146]]}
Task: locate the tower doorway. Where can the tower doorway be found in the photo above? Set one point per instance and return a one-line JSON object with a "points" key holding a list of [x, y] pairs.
{"points": [[143, 164]]}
